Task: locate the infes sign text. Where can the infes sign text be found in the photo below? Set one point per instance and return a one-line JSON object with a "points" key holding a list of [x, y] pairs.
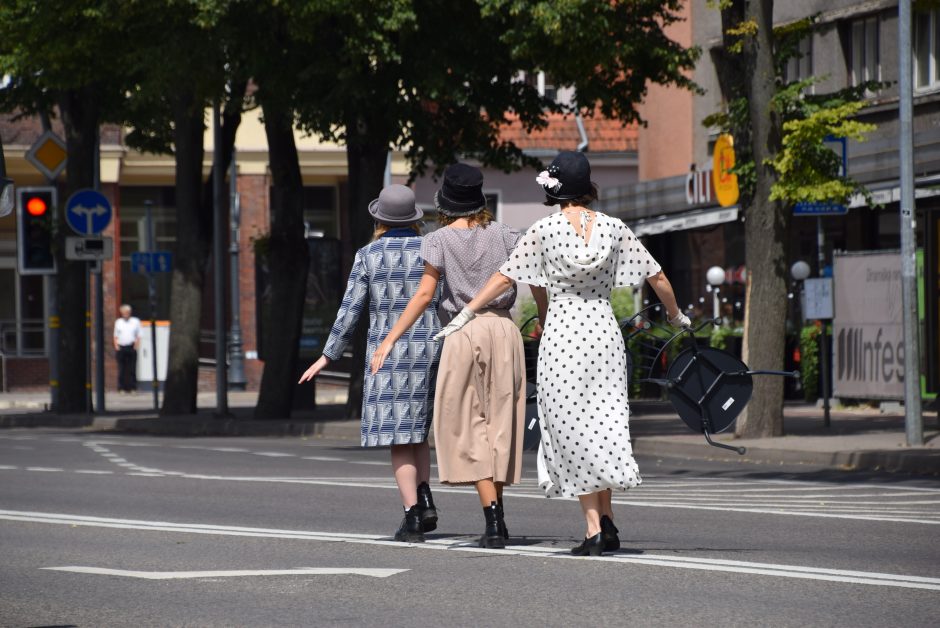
{"points": [[868, 338]]}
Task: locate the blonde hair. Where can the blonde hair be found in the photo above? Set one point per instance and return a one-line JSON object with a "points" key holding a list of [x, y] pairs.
{"points": [[382, 229], [481, 218]]}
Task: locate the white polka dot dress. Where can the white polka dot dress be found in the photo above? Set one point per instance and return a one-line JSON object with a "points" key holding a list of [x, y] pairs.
{"points": [[582, 370]]}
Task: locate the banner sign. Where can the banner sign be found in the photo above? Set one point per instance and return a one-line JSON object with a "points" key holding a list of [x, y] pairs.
{"points": [[868, 338]]}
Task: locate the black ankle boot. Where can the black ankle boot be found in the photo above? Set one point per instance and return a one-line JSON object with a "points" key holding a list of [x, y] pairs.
{"points": [[502, 524], [592, 546], [492, 536], [426, 507], [410, 529], [609, 533]]}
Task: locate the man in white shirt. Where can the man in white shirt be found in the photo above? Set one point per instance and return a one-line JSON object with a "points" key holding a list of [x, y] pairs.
{"points": [[126, 342]]}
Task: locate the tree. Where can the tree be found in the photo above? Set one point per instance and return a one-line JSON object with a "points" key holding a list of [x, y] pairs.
{"points": [[781, 159], [55, 63], [441, 80], [193, 64]]}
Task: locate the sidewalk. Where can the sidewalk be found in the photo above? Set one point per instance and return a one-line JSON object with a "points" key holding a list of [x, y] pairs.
{"points": [[858, 439]]}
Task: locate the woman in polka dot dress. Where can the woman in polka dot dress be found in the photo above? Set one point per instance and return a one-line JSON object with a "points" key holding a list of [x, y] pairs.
{"points": [[575, 257]]}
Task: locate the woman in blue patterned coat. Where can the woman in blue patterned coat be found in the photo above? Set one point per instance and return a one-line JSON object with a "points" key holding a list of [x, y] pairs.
{"points": [[398, 400]]}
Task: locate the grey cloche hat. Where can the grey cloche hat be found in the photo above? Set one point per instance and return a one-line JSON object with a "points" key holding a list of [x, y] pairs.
{"points": [[395, 206], [461, 192]]}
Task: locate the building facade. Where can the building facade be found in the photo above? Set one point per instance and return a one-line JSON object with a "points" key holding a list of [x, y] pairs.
{"points": [[851, 42]]}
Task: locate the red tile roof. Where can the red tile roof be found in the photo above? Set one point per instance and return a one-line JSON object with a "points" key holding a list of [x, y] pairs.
{"points": [[604, 135]]}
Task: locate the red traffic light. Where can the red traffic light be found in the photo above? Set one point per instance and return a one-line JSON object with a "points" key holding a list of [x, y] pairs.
{"points": [[36, 206]]}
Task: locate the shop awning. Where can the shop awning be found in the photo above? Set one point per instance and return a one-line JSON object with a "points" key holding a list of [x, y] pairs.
{"points": [[688, 220]]}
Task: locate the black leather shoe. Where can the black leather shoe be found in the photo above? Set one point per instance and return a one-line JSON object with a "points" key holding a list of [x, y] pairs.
{"points": [[609, 532], [492, 537], [592, 546], [410, 529], [426, 507], [502, 524]]}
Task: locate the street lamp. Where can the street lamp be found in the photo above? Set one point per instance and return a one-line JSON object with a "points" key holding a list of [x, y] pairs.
{"points": [[715, 277], [800, 271]]}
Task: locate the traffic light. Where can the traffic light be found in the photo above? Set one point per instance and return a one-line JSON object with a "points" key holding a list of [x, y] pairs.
{"points": [[35, 224]]}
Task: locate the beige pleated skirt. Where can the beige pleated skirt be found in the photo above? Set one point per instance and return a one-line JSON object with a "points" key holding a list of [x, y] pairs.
{"points": [[479, 407]]}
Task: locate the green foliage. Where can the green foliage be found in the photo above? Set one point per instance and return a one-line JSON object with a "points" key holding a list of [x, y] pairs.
{"points": [[809, 362], [718, 339], [806, 169]]}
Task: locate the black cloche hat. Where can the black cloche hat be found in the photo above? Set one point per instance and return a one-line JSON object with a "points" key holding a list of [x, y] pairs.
{"points": [[461, 193], [568, 177]]}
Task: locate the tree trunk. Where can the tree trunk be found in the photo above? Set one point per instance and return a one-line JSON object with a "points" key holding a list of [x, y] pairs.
{"points": [[765, 237], [288, 263], [366, 155], [79, 110], [192, 251]]}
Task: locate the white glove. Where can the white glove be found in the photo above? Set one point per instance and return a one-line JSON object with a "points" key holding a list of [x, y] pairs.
{"points": [[680, 320], [466, 315]]}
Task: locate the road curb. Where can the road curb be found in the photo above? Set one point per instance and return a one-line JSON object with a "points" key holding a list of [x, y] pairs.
{"points": [[917, 461]]}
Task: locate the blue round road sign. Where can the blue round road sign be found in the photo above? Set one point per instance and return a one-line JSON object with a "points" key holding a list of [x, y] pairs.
{"points": [[88, 212]]}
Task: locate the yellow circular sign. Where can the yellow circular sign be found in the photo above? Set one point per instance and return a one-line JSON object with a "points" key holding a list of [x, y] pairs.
{"points": [[723, 181]]}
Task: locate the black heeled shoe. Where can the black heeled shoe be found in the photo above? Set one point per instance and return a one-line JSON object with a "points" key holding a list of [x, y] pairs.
{"points": [[410, 529], [591, 546], [609, 532], [492, 537], [426, 508], [502, 524]]}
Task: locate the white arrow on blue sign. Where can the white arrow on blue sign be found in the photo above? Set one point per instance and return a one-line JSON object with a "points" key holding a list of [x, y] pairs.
{"points": [[152, 262], [88, 212]]}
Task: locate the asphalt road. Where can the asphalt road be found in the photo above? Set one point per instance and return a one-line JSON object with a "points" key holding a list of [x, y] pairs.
{"points": [[109, 530]]}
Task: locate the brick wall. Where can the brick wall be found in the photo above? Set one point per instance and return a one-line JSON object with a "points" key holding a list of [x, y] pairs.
{"points": [[26, 374], [255, 198]]}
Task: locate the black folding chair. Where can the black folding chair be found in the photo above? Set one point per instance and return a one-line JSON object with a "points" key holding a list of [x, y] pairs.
{"points": [[708, 387]]}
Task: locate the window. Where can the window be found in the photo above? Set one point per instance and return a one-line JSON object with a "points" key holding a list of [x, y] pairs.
{"points": [[321, 217], [492, 203], [865, 61], [543, 83], [800, 67], [926, 49], [134, 235]]}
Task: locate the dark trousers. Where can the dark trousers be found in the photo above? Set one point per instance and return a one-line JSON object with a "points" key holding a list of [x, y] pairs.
{"points": [[127, 368]]}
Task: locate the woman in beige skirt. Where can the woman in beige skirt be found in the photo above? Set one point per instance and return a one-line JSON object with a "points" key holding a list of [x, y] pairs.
{"points": [[479, 405]]}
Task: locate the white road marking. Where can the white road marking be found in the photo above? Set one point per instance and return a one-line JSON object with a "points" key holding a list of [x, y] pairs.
{"points": [[324, 458], [681, 562], [273, 454], [146, 475], [180, 575], [7, 467], [46, 469], [371, 462], [93, 472]]}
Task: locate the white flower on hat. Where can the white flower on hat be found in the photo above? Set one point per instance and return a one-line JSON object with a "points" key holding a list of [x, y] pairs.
{"points": [[548, 181]]}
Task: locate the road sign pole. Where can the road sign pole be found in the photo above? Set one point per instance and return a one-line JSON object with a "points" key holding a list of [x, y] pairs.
{"points": [[152, 293], [824, 339], [99, 299]]}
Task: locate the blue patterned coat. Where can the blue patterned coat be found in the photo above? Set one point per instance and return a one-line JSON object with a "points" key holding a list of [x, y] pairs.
{"points": [[398, 401]]}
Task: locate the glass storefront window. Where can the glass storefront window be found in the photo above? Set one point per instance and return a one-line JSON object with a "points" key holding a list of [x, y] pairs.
{"points": [[133, 212]]}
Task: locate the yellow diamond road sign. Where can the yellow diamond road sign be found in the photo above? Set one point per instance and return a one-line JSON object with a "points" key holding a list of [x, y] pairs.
{"points": [[48, 154]]}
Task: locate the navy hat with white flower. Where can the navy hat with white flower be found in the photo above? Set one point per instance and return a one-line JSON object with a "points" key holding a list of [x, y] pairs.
{"points": [[568, 177], [461, 193]]}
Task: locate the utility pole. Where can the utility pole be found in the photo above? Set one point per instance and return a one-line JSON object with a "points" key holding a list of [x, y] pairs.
{"points": [[236, 379], [913, 417], [218, 266]]}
